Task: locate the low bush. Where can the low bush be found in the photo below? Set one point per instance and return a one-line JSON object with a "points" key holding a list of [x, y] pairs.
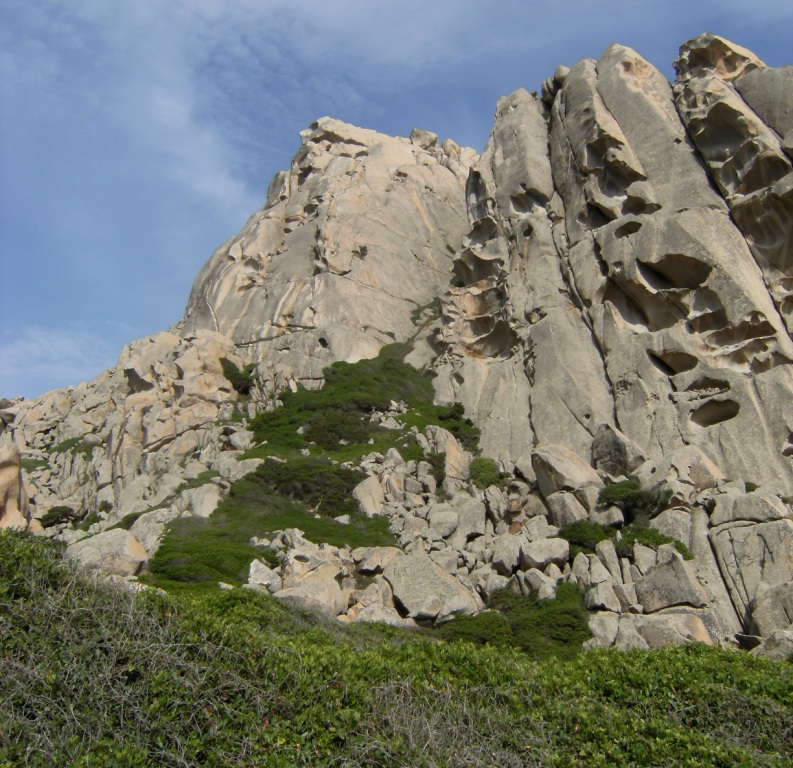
{"points": [[91, 518], [485, 472], [584, 535], [634, 502], [649, 537], [340, 410], [326, 488], [73, 444], [241, 380], [32, 465], [58, 515], [539, 628], [206, 550]]}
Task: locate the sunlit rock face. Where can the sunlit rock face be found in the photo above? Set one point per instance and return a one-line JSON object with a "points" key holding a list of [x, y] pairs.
{"points": [[607, 290], [355, 236]]}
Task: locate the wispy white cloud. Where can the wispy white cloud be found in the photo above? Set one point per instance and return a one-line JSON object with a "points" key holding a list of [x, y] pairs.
{"points": [[39, 355]]}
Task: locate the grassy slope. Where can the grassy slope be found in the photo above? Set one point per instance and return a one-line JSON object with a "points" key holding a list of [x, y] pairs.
{"points": [[92, 676]]}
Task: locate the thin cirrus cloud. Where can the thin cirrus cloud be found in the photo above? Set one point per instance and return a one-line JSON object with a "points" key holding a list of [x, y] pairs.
{"points": [[40, 355], [136, 137]]}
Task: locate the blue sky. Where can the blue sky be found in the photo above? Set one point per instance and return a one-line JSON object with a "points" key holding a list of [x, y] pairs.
{"points": [[138, 135]]}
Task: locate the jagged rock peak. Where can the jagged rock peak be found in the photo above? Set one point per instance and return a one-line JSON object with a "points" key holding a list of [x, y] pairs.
{"points": [[354, 236]]}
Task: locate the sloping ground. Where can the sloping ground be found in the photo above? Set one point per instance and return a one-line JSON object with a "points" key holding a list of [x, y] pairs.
{"points": [[94, 676]]}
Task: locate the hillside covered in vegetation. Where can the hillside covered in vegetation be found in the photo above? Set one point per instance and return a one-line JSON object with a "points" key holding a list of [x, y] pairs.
{"points": [[91, 675]]}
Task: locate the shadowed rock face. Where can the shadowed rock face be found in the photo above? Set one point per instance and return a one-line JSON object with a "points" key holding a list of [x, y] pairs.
{"points": [[604, 280], [607, 288]]}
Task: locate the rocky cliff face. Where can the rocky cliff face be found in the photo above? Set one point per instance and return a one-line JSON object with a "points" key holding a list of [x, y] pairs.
{"points": [[608, 290]]}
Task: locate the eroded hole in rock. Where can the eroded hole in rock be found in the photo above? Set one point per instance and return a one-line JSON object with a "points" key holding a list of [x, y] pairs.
{"points": [[652, 277], [520, 203], [710, 321], [602, 265], [671, 362], [594, 216], [715, 412], [744, 331], [680, 271], [323, 342], [476, 195], [494, 344], [482, 231], [637, 205], [627, 308], [629, 228], [469, 268]]}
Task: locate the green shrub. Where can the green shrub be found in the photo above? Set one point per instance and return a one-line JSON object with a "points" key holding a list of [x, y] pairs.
{"points": [[129, 520], [539, 628], [635, 503], [452, 418], [485, 472], [58, 515], [584, 535], [750, 487], [438, 462], [326, 487], [31, 465], [241, 380], [73, 444], [202, 479], [274, 498], [91, 518], [649, 537], [335, 426]]}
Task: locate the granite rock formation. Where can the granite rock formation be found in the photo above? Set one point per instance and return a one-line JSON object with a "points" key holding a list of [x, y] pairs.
{"points": [[608, 291]]}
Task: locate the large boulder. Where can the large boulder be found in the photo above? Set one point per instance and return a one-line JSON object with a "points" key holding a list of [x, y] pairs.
{"points": [[673, 582], [425, 592], [13, 498], [116, 552]]}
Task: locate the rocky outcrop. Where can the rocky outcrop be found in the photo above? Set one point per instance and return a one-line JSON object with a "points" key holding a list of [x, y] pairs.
{"points": [[354, 237], [13, 498], [607, 291]]}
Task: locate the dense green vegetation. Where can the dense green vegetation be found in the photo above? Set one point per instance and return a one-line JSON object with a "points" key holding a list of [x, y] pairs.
{"points": [[294, 490], [485, 472], [92, 676], [218, 548], [31, 464], [58, 515], [241, 380], [336, 418], [75, 445], [542, 629], [584, 535]]}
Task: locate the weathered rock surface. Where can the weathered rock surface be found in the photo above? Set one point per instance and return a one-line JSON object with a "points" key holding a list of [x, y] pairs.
{"points": [[117, 552], [426, 592], [13, 498], [608, 291]]}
